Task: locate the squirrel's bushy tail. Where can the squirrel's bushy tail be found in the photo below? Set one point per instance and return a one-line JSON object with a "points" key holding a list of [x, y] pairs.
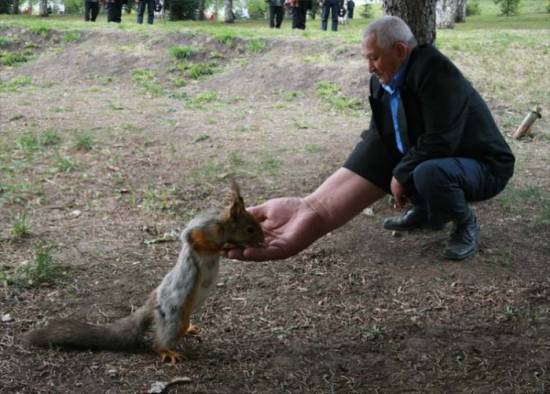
{"points": [[126, 333]]}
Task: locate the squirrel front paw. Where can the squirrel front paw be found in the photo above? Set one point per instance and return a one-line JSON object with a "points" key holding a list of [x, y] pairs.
{"points": [[170, 356]]}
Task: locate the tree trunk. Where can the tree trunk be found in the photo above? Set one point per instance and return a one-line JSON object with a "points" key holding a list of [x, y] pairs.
{"points": [[229, 16], [460, 11], [445, 13], [418, 14], [16, 7], [43, 7], [200, 7]]}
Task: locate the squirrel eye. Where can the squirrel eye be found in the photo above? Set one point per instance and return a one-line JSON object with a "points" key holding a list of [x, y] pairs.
{"points": [[250, 230]]}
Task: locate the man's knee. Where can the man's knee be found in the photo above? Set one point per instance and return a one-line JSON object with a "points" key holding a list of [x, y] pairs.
{"points": [[428, 175]]}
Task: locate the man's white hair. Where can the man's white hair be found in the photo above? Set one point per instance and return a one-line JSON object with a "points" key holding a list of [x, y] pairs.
{"points": [[389, 30]]}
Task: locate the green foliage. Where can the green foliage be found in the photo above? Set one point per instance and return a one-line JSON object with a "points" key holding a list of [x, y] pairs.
{"points": [[182, 9], [6, 6], [473, 8], [195, 71], [4, 42], [330, 93], [226, 39], [74, 7], [43, 269], [40, 30], [203, 98], [70, 36], [366, 11], [147, 80], [182, 52], [64, 164], [256, 45], [257, 9], [83, 142], [11, 58], [548, 6], [20, 226], [508, 7]]}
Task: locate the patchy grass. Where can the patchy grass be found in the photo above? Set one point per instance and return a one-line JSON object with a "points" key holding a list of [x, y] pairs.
{"points": [[42, 270], [331, 94]]}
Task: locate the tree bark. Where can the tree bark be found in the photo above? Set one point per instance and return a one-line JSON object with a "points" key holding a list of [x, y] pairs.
{"points": [[43, 7], [418, 14], [229, 16], [445, 13], [200, 7], [460, 11]]}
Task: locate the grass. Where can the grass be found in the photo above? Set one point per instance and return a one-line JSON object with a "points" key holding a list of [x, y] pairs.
{"points": [[71, 36], [14, 84], [331, 94], [12, 58], [44, 269], [147, 80], [83, 142], [20, 227], [516, 200], [182, 52]]}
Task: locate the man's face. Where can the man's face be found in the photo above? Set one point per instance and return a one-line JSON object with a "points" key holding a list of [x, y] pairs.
{"points": [[384, 62]]}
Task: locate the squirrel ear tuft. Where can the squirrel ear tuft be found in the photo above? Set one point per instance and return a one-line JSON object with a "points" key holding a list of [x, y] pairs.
{"points": [[237, 204]]}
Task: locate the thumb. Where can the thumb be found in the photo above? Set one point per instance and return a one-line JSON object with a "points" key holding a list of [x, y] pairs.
{"points": [[258, 211]]}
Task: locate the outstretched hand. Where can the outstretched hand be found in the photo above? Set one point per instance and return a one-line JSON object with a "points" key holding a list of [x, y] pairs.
{"points": [[289, 225]]}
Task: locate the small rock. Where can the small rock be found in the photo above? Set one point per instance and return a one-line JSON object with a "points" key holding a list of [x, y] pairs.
{"points": [[368, 211], [157, 388], [76, 213], [395, 233], [6, 318]]}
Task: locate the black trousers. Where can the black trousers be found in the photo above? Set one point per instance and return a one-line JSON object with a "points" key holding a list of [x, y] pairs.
{"points": [[114, 11], [91, 9], [276, 16], [299, 15], [333, 7], [150, 11], [350, 13]]}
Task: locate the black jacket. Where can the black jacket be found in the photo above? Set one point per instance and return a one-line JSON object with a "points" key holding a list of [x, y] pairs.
{"points": [[441, 115]]}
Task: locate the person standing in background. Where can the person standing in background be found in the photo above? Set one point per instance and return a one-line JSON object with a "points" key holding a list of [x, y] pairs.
{"points": [[276, 13], [91, 9], [150, 11], [114, 10], [351, 6]]}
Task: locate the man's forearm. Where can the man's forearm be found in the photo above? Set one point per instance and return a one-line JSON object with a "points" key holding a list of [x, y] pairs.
{"points": [[341, 197]]}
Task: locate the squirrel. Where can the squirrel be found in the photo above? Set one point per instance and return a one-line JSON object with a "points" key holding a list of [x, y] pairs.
{"points": [[181, 292]]}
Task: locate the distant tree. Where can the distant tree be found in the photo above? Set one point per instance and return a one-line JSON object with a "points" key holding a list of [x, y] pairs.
{"points": [[43, 8], [182, 9], [200, 10], [445, 13], [460, 11], [6, 6], [15, 7], [508, 7], [229, 16], [418, 14]]}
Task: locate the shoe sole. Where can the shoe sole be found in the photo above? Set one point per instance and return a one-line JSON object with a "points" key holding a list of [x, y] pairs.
{"points": [[459, 258]]}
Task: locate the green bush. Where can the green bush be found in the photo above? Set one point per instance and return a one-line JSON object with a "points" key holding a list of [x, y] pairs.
{"points": [[74, 7], [6, 6], [508, 7], [548, 6], [366, 11], [257, 9], [473, 8]]}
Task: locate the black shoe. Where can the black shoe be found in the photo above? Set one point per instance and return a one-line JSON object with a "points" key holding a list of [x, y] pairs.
{"points": [[413, 219], [463, 241]]}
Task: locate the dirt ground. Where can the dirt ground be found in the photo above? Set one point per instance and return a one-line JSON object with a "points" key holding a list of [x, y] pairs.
{"points": [[359, 311]]}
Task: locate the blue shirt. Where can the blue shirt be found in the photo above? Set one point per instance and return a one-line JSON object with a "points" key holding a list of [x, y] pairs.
{"points": [[393, 91]]}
